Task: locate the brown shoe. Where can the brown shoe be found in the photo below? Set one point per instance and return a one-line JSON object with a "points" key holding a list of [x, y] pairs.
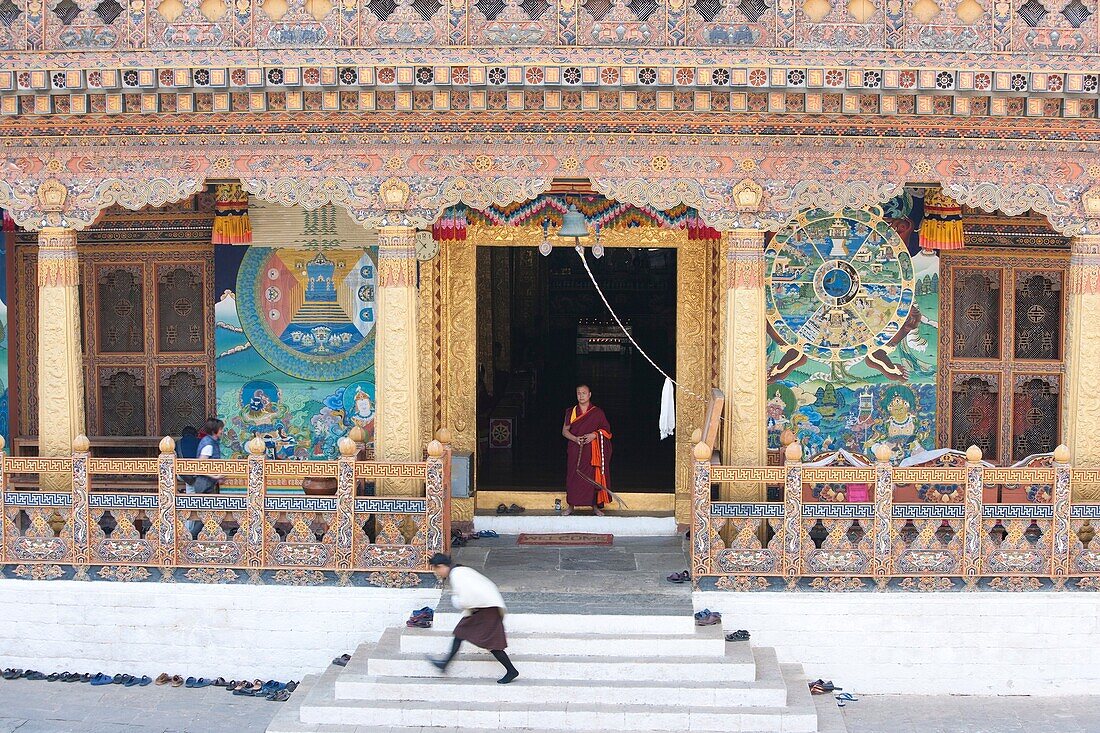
{"points": [[177, 681], [164, 678]]}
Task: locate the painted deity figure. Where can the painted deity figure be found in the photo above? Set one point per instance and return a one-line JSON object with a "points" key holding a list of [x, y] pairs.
{"points": [[900, 427], [363, 415]]}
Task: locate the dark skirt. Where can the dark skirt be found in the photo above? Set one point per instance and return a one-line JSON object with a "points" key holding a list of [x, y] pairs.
{"points": [[484, 628]]}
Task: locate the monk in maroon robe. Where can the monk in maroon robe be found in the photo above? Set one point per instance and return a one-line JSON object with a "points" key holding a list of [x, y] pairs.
{"points": [[588, 458]]}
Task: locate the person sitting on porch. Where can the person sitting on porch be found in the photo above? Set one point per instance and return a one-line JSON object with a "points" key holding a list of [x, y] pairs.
{"points": [[588, 455]]}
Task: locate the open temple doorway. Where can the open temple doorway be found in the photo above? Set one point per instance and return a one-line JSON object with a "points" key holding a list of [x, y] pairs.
{"points": [[542, 330]]}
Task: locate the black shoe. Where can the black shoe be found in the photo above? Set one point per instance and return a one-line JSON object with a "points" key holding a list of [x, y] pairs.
{"points": [[440, 664], [508, 677]]}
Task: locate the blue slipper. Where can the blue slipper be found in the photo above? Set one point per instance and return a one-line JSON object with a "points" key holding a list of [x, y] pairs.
{"points": [[703, 614], [101, 679]]}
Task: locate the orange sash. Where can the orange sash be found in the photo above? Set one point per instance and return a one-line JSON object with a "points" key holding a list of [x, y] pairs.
{"points": [[602, 496]]}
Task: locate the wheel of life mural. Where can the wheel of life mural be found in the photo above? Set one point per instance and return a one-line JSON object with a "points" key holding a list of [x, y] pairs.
{"points": [[309, 313], [840, 290]]}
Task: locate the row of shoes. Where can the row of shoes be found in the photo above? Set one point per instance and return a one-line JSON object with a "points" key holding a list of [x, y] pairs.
{"points": [[461, 539], [707, 617], [97, 679], [272, 690], [421, 618]]}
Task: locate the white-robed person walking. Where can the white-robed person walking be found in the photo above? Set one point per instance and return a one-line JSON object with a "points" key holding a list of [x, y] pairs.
{"points": [[483, 612]]}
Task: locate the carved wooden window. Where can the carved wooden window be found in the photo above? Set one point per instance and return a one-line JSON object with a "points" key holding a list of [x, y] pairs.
{"points": [[1038, 307], [121, 310], [182, 400], [1035, 423], [122, 401], [977, 314], [159, 382], [975, 404], [180, 326], [1001, 356]]}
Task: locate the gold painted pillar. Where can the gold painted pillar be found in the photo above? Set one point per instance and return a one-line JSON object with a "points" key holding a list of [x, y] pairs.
{"points": [[460, 313], [396, 431], [693, 363], [1081, 412], [744, 360], [60, 371]]}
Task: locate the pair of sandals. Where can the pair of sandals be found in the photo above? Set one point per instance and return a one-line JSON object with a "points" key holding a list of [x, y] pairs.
{"points": [[513, 509], [421, 618], [822, 687], [169, 679], [342, 660], [844, 698], [678, 578], [17, 674], [706, 617], [128, 680], [739, 635]]}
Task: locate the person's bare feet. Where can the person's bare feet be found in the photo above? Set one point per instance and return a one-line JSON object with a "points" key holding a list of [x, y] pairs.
{"points": [[597, 511], [567, 512]]}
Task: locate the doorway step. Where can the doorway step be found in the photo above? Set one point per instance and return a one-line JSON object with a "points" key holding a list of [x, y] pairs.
{"points": [[536, 523], [578, 673]]}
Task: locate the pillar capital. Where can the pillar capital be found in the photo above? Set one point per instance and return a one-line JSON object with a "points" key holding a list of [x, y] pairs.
{"points": [[396, 256], [57, 260], [745, 258], [1084, 264]]}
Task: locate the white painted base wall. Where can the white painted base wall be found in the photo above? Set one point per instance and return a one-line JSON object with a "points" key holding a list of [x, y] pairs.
{"points": [[231, 631], [618, 526], [927, 643]]}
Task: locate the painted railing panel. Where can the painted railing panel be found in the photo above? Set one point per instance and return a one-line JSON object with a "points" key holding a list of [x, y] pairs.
{"points": [[95, 531], [949, 527]]}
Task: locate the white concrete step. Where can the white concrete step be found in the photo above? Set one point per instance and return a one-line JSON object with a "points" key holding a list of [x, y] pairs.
{"points": [[766, 690], [555, 524], [320, 706], [706, 641], [604, 625], [387, 660]]}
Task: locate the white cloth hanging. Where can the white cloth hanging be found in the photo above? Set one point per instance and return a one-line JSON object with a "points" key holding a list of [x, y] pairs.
{"points": [[667, 423]]}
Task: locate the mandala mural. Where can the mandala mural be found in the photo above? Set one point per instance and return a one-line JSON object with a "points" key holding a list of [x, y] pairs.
{"points": [[308, 313], [295, 347], [851, 352]]}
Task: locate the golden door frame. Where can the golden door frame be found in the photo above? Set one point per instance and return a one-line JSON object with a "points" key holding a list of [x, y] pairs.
{"points": [[447, 334]]}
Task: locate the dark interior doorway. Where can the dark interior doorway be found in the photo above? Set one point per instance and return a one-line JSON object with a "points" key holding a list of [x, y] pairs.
{"points": [[542, 329]]}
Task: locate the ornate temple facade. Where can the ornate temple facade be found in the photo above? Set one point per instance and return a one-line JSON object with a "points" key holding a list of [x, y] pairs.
{"points": [[801, 158]]}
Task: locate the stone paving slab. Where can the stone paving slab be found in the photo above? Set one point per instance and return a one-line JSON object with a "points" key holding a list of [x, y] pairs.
{"points": [[43, 707]]}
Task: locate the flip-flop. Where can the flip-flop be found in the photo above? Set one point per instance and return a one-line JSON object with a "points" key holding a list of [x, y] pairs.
{"points": [[847, 697], [343, 659]]}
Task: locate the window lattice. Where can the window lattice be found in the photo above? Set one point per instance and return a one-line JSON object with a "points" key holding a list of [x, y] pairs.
{"points": [[974, 409], [1035, 415], [182, 401], [598, 9], [179, 311], [122, 401], [121, 316], [1038, 316], [977, 314]]}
